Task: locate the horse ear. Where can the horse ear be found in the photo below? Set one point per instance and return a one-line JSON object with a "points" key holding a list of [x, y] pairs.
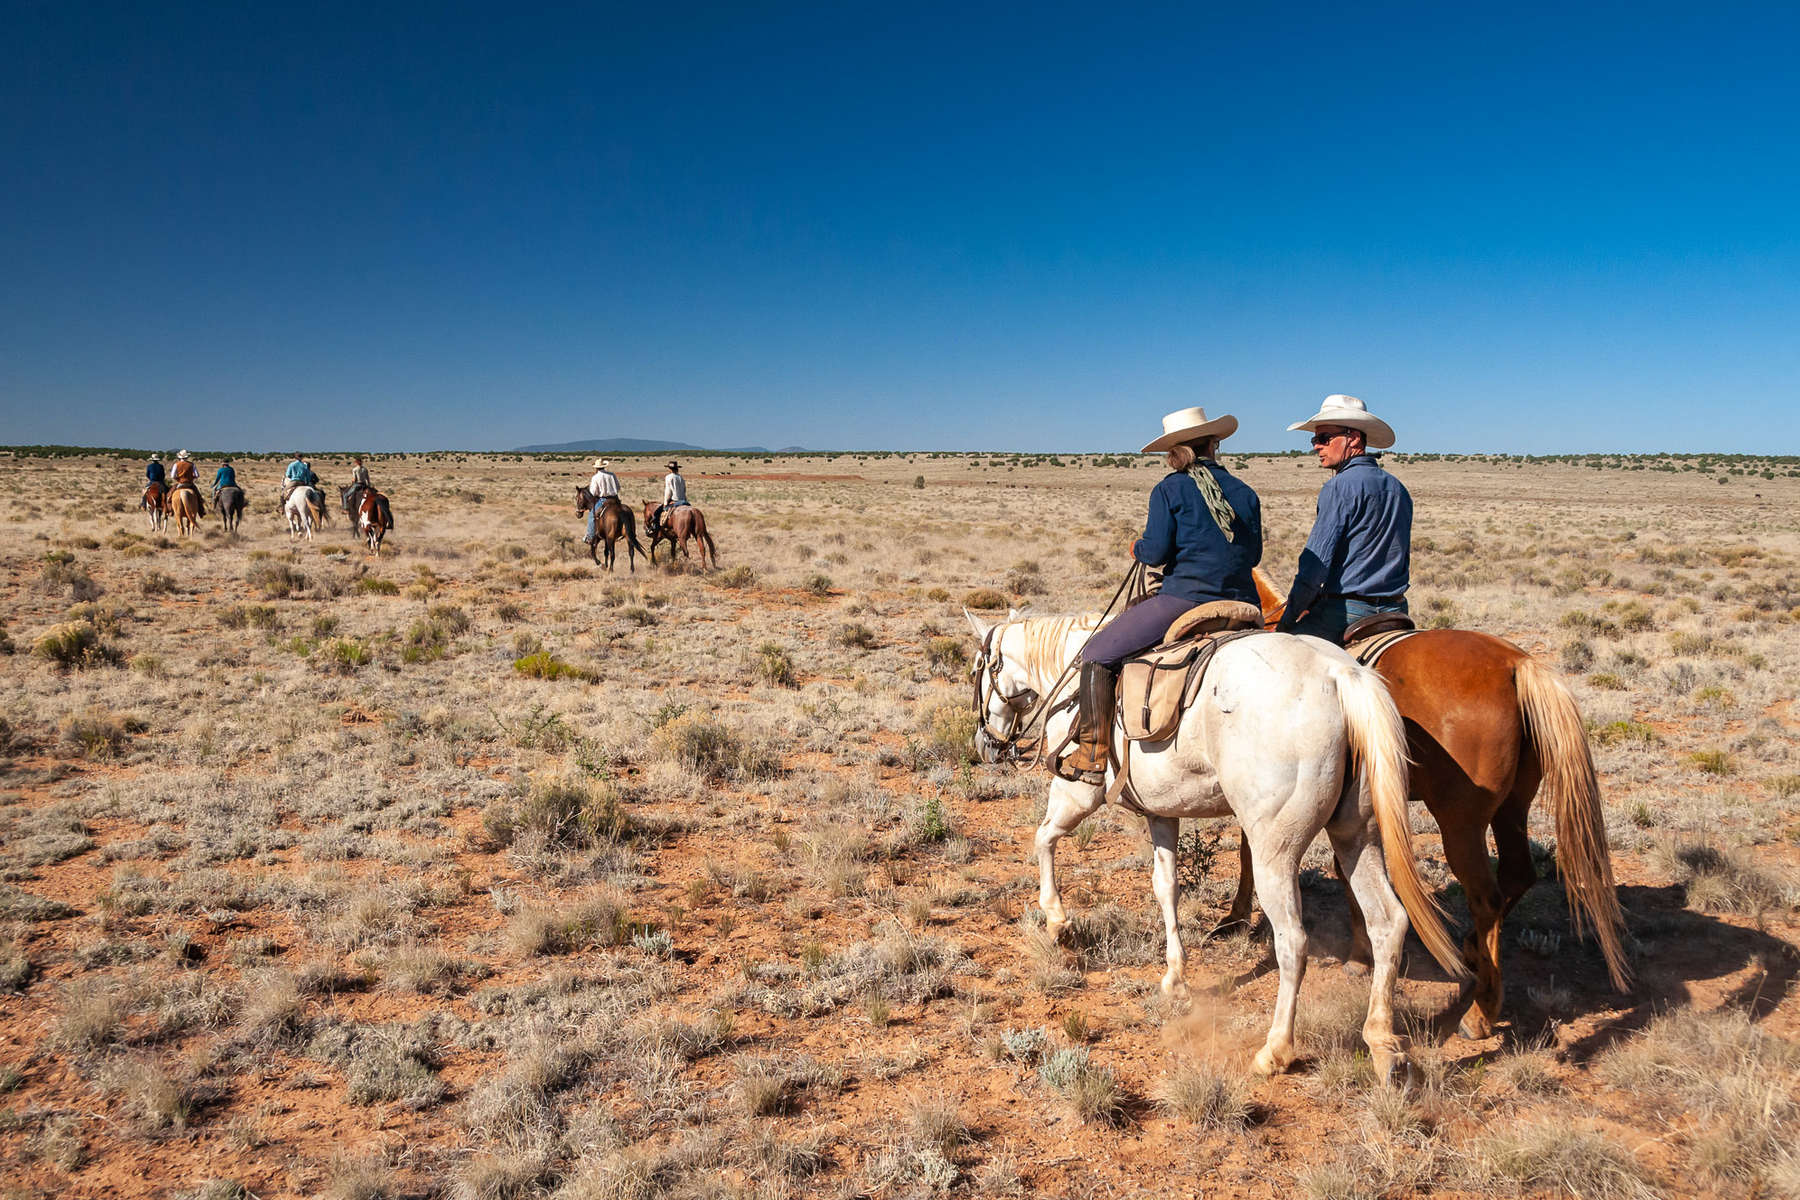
{"points": [[980, 627]]}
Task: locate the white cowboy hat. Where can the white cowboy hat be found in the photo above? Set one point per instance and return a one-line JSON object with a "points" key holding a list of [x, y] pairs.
{"points": [[1190, 424], [600, 464], [1349, 411], [183, 456]]}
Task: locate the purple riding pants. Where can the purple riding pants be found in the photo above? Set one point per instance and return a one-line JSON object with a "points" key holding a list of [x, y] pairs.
{"points": [[1137, 628]]}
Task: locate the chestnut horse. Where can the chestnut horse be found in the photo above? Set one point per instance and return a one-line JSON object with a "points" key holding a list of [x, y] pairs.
{"points": [[231, 505], [156, 505], [612, 522], [184, 502], [680, 524], [372, 518], [1486, 726]]}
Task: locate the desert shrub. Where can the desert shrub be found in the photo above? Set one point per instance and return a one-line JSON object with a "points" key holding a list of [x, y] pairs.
{"points": [[107, 617], [945, 655], [60, 571], [452, 618], [426, 641], [569, 814], [706, 745], [774, 666], [937, 594], [275, 580], [1623, 731], [947, 732], [600, 920], [156, 583], [1203, 1095], [984, 598], [1559, 1156], [735, 578], [345, 655], [1025, 579], [855, 635], [75, 645], [97, 733], [1723, 880], [1712, 762], [375, 585], [1092, 1091], [818, 583], [544, 665]]}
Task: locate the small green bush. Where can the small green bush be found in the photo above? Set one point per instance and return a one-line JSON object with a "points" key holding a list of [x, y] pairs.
{"points": [[774, 667], [75, 645], [545, 665], [982, 599], [735, 578], [275, 580], [347, 654]]}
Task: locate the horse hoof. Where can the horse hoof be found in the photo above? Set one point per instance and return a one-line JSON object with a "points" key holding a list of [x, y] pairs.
{"points": [[1266, 1063], [1475, 1026], [1175, 987]]}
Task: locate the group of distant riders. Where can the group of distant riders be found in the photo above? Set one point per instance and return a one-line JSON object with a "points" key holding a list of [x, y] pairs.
{"points": [[159, 483]]}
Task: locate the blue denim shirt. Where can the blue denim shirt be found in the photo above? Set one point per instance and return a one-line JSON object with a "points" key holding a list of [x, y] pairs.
{"points": [[226, 477], [1181, 537], [1361, 542]]}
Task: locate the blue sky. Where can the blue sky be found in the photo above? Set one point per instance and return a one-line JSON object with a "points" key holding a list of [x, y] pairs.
{"points": [[1508, 228]]}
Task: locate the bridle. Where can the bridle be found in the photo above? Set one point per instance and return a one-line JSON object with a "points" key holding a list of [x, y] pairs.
{"points": [[985, 677], [1028, 705]]}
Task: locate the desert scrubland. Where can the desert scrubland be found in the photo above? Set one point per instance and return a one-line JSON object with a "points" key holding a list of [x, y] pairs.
{"points": [[476, 871]]}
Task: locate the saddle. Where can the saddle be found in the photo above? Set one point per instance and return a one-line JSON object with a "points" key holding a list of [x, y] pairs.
{"points": [[1157, 686], [1373, 636]]}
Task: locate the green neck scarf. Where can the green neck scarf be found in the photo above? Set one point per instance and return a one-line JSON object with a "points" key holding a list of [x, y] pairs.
{"points": [[1216, 504]]}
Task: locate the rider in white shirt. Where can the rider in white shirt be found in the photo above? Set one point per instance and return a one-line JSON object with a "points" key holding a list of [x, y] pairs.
{"points": [[602, 487], [674, 496]]}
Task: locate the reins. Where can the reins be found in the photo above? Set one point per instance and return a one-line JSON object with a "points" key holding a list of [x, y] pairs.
{"points": [[1031, 754]]}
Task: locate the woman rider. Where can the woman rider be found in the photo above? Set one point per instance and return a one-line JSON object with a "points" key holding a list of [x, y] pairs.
{"points": [[1204, 532]]}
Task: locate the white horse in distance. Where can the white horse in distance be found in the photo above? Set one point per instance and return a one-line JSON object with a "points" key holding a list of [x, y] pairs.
{"points": [[302, 512], [1289, 735]]}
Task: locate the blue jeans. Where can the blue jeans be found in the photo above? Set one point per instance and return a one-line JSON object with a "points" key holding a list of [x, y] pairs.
{"points": [[1331, 615], [593, 514]]}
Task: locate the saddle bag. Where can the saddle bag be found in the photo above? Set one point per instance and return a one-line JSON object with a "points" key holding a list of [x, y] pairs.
{"points": [[1156, 687]]}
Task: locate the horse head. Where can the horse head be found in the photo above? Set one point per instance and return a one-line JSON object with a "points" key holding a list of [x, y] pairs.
{"points": [[1003, 692]]}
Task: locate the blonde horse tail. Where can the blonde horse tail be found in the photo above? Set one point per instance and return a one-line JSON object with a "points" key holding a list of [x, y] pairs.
{"points": [[1583, 861], [1378, 748]]}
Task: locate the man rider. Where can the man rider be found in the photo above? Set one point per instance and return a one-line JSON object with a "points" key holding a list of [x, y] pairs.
{"points": [[603, 487], [298, 474], [674, 496], [225, 477], [186, 476], [359, 483], [153, 473], [1358, 560]]}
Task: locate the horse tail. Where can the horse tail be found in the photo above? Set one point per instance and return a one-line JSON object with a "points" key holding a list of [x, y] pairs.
{"points": [[710, 547], [1583, 861], [1378, 748], [631, 530]]}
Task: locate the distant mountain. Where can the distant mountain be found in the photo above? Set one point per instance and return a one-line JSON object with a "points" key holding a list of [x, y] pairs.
{"points": [[646, 446]]}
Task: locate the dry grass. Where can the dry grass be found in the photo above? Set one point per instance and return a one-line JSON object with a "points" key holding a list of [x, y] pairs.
{"points": [[478, 843]]}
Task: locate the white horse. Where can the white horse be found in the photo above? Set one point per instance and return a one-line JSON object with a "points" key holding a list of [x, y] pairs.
{"points": [[299, 510], [1289, 735]]}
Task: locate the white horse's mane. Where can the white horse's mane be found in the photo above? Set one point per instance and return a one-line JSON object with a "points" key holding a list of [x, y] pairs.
{"points": [[1042, 644]]}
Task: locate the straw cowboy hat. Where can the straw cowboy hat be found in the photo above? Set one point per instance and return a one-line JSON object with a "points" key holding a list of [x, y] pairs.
{"points": [[1189, 425], [1349, 412], [182, 457], [600, 464]]}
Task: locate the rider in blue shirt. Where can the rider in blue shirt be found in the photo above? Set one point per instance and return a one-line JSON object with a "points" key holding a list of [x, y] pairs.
{"points": [[1204, 530], [153, 473], [225, 477], [1357, 562]]}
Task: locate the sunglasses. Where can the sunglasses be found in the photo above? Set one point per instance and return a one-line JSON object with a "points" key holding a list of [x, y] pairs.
{"points": [[1320, 439]]}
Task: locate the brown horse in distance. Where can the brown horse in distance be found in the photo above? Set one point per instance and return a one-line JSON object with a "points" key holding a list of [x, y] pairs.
{"points": [[156, 505], [679, 525], [372, 519], [612, 522], [1487, 725], [184, 502]]}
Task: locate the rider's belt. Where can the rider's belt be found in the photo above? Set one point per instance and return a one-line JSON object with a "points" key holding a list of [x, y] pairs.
{"points": [[1362, 599]]}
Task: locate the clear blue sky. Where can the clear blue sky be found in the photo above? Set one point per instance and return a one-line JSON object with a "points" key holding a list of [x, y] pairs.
{"points": [[1563, 228]]}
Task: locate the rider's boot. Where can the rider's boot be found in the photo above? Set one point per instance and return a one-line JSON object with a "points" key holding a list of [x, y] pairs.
{"points": [[1095, 696]]}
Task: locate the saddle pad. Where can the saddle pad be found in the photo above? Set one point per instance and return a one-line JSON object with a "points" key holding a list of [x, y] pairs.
{"points": [[1368, 652], [1156, 687]]}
